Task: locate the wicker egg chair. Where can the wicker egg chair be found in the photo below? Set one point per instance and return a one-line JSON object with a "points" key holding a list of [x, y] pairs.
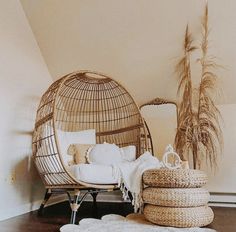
{"points": [[79, 101]]}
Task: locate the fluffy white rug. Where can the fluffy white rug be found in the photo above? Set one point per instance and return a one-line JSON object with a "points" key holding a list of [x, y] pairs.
{"points": [[117, 223]]}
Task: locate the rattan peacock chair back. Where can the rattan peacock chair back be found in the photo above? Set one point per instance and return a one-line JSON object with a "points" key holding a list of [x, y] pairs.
{"points": [[81, 101]]}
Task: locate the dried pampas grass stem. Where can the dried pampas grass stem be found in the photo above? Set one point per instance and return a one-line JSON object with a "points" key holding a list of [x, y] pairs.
{"points": [[199, 133]]}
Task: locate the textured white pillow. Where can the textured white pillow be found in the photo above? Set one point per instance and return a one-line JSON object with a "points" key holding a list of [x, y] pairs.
{"points": [[65, 139], [106, 154], [128, 153]]}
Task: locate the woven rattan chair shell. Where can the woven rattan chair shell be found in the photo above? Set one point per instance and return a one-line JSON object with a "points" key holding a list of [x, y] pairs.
{"points": [[179, 217], [176, 197], [80, 101], [179, 178]]}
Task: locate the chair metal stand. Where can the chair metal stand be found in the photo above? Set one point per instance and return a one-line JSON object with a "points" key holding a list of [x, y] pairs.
{"points": [[75, 204], [75, 196], [94, 196], [76, 201], [47, 195]]}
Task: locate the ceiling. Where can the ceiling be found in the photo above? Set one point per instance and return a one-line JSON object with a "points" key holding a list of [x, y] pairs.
{"points": [[137, 42]]}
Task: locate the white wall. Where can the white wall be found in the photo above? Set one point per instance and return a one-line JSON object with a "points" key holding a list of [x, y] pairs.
{"points": [[23, 79], [223, 179]]}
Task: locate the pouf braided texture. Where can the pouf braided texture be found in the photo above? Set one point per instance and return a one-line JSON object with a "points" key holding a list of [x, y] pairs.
{"points": [[179, 178], [179, 217], [176, 197]]}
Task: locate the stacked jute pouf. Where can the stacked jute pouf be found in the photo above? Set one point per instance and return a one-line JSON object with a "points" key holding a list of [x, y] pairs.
{"points": [[176, 198]]}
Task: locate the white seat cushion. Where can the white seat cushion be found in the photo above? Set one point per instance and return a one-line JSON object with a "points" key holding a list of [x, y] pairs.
{"points": [[94, 173]]}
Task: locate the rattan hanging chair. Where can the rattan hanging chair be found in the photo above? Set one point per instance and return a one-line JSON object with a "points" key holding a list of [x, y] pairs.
{"points": [[79, 101]]}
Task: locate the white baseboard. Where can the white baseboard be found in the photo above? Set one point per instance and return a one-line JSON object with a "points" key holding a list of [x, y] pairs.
{"points": [[229, 205], [7, 212], [223, 199]]}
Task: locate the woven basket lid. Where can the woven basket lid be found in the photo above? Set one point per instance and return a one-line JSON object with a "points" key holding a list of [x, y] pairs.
{"points": [[178, 178]]}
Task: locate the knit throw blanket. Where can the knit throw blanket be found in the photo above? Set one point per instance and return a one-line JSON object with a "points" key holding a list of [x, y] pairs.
{"points": [[129, 176]]}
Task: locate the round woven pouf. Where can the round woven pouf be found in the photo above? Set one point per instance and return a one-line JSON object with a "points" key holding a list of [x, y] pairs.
{"points": [[179, 178], [179, 217], [176, 197]]}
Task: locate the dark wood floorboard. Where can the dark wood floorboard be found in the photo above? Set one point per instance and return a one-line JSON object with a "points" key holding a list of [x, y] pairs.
{"points": [[56, 216]]}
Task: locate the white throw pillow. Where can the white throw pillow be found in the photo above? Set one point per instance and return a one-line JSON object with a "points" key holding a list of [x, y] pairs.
{"points": [[65, 139], [106, 154], [128, 153]]}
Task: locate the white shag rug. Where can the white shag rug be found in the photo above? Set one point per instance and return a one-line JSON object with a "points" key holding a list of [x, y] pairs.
{"points": [[117, 223]]}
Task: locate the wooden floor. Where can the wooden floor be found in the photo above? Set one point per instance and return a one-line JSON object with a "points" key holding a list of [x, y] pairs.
{"points": [[56, 216]]}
